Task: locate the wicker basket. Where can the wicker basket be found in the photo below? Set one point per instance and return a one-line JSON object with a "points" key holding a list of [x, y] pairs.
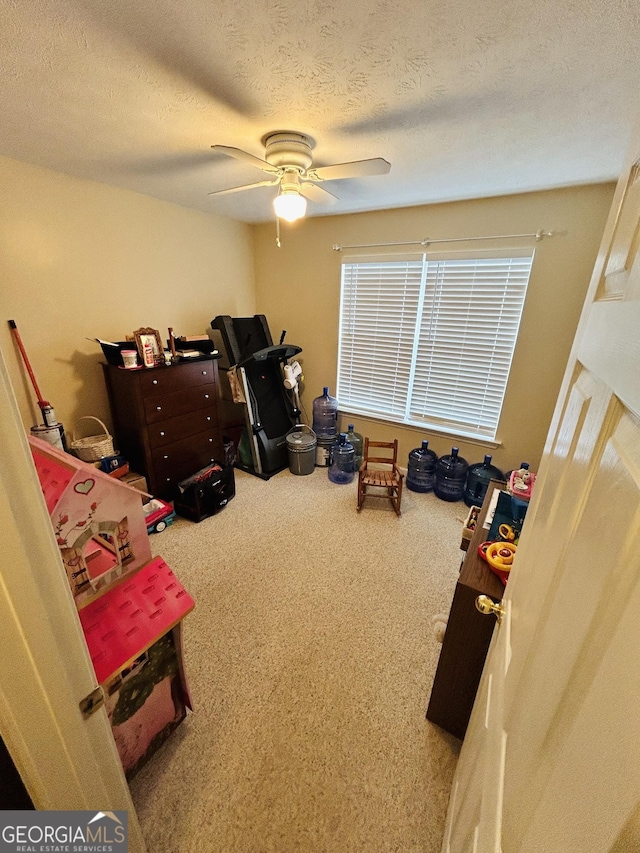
{"points": [[92, 448]]}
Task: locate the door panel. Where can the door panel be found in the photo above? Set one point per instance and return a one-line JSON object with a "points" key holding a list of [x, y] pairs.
{"points": [[547, 534], [599, 575], [64, 760], [623, 253], [560, 743]]}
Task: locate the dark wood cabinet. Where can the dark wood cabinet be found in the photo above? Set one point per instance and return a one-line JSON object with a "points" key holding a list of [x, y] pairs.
{"points": [[165, 420], [467, 638]]}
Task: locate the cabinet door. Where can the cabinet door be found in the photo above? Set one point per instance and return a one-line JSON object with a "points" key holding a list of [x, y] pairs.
{"points": [[467, 637]]}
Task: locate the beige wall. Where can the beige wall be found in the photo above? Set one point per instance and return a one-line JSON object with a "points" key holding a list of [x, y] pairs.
{"points": [[80, 259], [298, 288]]}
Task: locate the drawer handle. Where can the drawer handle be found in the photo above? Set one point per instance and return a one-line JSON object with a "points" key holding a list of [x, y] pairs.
{"points": [[161, 432], [210, 440], [154, 382], [208, 417], [204, 372], [158, 408], [166, 456], [206, 396]]}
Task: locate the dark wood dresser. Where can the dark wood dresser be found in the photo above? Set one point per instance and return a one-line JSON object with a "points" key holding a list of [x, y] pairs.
{"points": [[165, 420], [467, 638]]}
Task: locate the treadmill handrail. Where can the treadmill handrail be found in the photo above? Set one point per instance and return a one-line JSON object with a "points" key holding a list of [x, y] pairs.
{"points": [[279, 353]]}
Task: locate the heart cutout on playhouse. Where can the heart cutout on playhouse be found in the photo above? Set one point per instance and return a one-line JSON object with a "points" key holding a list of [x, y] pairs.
{"points": [[85, 487]]}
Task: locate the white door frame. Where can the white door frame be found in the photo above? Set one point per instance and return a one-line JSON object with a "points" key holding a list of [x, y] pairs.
{"points": [[65, 761]]}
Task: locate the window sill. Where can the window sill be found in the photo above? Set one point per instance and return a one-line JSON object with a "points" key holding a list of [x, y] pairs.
{"points": [[481, 441]]}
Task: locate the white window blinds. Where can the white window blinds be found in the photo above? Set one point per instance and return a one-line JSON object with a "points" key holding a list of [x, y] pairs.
{"points": [[428, 340]]}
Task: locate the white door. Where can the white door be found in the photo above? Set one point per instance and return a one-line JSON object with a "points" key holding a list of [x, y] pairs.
{"points": [[65, 761], [551, 759]]}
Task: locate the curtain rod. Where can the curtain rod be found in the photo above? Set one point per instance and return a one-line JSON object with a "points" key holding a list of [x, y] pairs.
{"points": [[539, 235]]}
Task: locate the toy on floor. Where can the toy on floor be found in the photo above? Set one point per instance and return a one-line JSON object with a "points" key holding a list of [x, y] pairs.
{"points": [[130, 605], [158, 514], [97, 520]]}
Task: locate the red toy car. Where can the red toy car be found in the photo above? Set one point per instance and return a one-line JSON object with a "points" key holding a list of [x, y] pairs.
{"points": [[159, 514]]}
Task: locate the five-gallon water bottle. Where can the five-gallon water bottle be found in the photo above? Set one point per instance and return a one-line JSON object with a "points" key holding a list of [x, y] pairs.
{"points": [[421, 469], [325, 415], [342, 468], [451, 476], [357, 441], [478, 477]]}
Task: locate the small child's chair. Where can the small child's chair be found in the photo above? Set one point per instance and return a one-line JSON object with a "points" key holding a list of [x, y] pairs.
{"points": [[376, 482]]}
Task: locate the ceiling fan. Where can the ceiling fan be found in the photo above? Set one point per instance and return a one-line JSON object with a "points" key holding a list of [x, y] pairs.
{"points": [[288, 160]]}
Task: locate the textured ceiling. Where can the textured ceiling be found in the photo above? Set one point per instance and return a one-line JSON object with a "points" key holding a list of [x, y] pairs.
{"points": [[464, 98]]}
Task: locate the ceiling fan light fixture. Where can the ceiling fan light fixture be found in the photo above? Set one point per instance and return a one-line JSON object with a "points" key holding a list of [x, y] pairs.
{"points": [[288, 161], [290, 205]]}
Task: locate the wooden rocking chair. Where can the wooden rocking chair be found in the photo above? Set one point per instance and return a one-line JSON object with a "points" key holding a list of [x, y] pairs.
{"points": [[375, 482]]}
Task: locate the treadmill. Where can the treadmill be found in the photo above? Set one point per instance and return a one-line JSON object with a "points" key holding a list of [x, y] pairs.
{"points": [[270, 410]]}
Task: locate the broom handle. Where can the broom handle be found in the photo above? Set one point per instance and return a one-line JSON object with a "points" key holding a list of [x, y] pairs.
{"points": [[16, 334]]}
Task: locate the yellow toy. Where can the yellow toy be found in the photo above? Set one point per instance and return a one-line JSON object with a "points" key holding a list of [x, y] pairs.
{"points": [[507, 533], [500, 555]]}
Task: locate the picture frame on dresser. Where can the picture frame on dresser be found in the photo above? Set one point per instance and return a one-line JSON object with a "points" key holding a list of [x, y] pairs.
{"points": [[152, 336]]}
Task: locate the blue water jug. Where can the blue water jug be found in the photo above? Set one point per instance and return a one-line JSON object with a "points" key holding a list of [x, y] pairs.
{"points": [[478, 477], [342, 469], [357, 441], [325, 414], [451, 476], [421, 468]]}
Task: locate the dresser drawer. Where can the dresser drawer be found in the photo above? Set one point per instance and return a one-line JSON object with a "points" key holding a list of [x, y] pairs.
{"points": [[161, 380], [174, 429], [180, 460], [171, 405]]}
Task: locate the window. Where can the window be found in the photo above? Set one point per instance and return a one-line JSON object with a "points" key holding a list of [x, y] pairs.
{"points": [[428, 340]]}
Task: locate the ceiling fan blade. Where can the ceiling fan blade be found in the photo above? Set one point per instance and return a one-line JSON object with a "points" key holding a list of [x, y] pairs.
{"points": [[357, 169], [316, 193], [239, 154], [245, 187]]}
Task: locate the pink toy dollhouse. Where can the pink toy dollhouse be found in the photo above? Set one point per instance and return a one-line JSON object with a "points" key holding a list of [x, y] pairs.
{"points": [[130, 605]]}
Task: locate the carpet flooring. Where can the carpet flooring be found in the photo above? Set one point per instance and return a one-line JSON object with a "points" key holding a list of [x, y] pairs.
{"points": [[310, 656]]}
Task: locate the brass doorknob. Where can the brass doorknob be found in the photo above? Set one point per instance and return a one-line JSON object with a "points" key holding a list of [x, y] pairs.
{"points": [[486, 606]]}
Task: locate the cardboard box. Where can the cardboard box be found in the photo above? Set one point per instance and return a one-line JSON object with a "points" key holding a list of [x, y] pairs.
{"points": [[137, 481], [469, 527]]}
